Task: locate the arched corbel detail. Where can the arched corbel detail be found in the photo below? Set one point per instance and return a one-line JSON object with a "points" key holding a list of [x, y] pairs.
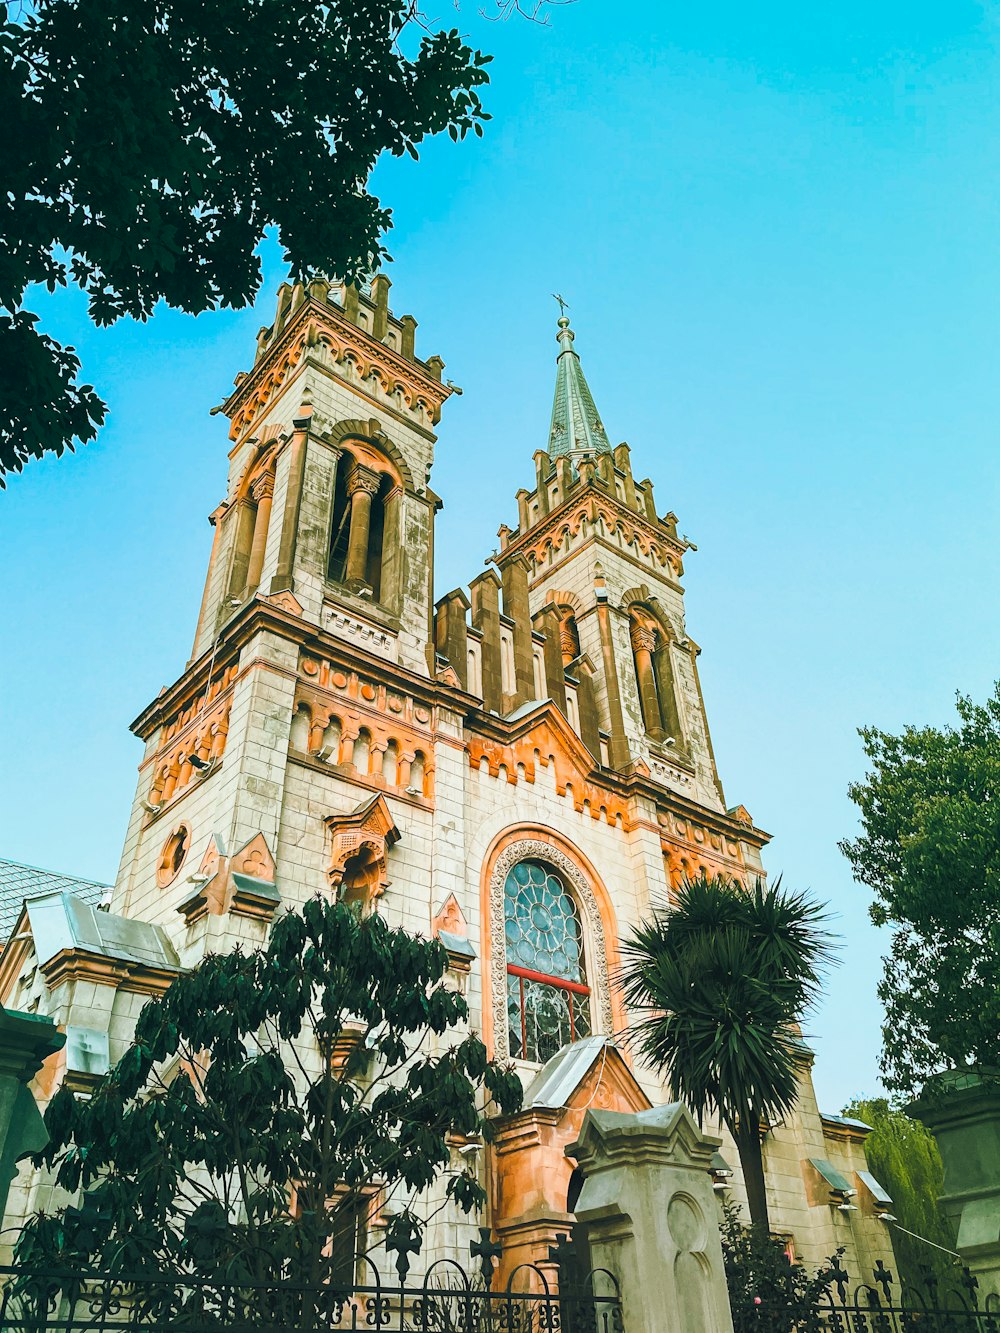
{"points": [[371, 433]]}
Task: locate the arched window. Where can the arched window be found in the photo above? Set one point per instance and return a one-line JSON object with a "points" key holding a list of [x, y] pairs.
{"points": [[548, 999], [358, 527]]}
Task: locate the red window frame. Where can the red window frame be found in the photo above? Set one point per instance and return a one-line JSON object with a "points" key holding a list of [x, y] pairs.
{"points": [[524, 974]]}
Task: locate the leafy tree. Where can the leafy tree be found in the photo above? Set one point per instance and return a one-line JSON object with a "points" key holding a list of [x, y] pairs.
{"points": [[724, 975], [768, 1293], [904, 1157], [930, 851], [148, 144], [238, 1135]]}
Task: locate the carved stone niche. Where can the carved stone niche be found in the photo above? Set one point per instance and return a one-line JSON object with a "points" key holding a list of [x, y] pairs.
{"points": [[360, 841]]}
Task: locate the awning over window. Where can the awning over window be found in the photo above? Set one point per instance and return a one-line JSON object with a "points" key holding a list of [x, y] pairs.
{"points": [[876, 1190], [838, 1183]]}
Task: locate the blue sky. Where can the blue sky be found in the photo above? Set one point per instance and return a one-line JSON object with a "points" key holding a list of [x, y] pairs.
{"points": [[776, 225]]}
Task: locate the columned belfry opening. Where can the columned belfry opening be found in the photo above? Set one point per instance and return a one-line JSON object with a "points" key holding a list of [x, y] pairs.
{"points": [[655, 677], [365, 518]]}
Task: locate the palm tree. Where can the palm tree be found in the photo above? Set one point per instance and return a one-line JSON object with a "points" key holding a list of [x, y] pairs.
{"points": [[722, 977]]}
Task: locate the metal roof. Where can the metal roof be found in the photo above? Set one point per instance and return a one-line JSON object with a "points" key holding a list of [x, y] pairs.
{"points": [[557, 1080], [18, 882], [838, 1183], [875, 1188], [61, 920], [576, 425]]}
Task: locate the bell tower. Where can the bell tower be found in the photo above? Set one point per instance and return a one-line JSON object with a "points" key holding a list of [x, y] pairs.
{"points": [[338, 405], [592, 577], [313, 656]]}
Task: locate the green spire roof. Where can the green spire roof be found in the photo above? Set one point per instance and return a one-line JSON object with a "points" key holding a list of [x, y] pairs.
{"points": [[576, 424]]}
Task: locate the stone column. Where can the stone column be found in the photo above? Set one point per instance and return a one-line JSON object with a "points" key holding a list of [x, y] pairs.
{"points": [[485, 591], [618, 744], [652, 1219], [451, 637], [514, 576], [242, 518], [263, 493], [26, 1040], [362, 484], [284, 580], [589, 722], [643, 641], [964, 1117], [393, 552], [548, 623]]}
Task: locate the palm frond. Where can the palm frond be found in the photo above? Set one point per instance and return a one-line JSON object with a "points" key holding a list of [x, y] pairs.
{"points": [[717, 984]]}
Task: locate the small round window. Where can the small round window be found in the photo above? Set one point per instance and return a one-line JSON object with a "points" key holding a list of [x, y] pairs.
{"points": [[175, 849]]}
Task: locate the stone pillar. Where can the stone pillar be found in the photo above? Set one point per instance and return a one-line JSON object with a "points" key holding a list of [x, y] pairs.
{"points": [[263, 493], [391, 585], [514, 575], [587, 698], [283, 580], [242, 517], [694, 650], [206, 598], [451, 633], [543, 470], [618, 744], [643, 641], [380, 296], [964, 1117], [485, 592], [652, 1218], [26, 1040], [624, 464], [547, 622], [361, 486]]}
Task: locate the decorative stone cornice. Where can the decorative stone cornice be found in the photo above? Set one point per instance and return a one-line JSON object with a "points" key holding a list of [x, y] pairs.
{"points": [[258, 615], [81, 965], [591, 502], [315, 323]]}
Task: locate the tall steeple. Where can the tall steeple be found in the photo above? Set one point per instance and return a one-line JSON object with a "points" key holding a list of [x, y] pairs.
{"points": [[576, 424]]}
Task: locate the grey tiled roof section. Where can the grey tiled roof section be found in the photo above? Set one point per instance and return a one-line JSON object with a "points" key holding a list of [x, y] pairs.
{"points": [[18, 882], [556, 1081], [63, 921]]}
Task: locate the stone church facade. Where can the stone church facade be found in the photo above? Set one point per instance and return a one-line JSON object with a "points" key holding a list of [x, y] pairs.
{"points": [[520, 769]]}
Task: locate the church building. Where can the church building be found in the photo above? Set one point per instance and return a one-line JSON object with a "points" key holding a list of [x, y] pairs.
{"points": [[520, 768]]}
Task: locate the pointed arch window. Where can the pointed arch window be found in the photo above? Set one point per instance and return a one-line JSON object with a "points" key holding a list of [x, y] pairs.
{"points": [[548, 998]]}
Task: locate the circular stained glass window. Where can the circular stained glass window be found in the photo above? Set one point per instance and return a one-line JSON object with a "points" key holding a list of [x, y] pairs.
{"points": [[548, 1000], [542, 925]]}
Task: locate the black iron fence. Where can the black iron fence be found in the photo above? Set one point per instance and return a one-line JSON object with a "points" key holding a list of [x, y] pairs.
{"points": [[933, 1305], [446, 1301]]}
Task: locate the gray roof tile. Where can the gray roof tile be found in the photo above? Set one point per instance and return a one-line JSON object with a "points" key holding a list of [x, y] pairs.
{"points": [[18, 882]]}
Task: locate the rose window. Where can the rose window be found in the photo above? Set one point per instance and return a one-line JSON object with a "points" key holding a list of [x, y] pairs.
{"points": [[548, 999]]}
